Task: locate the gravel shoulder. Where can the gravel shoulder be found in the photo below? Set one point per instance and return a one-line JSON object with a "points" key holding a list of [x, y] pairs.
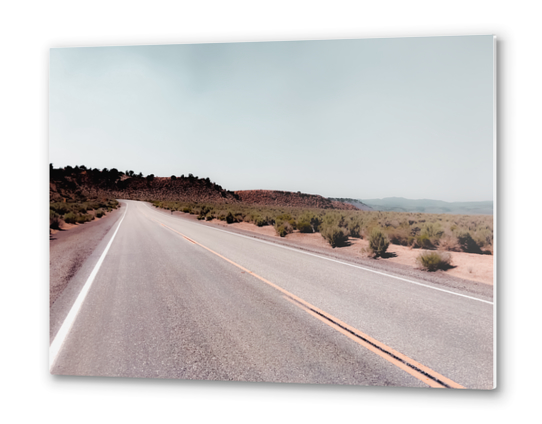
{"points": [[68, 250]]}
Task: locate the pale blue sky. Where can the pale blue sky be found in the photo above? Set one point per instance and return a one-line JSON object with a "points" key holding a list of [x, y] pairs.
{"points": [[372, 118]]}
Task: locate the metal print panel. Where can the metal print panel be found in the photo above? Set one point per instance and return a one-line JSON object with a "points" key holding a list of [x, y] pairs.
{"points": [[315, 212]]}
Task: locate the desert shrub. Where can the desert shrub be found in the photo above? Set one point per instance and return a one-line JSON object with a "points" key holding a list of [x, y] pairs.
{"points": [[483, 238], [283, 228], [285, 217], [187, 209], [221, 215], [450, 243], [81, 219], [260, 221], [355, 226], [304, 226], [311, 218], [335, 235], [70, 218], [59, 207], [400, 236], [99, 213], [332, 218], [467, 243], [432, 261], [230, 219], [54, 220], [378, 242], [422, 241], [430, 235]]}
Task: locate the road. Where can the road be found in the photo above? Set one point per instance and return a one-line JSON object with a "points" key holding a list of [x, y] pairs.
{"points": [[166, 297]]}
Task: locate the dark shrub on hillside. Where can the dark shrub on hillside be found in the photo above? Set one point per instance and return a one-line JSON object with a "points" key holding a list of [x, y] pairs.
{"points": [[378, 242], [99, 213], [336, 236], [432, 261]]}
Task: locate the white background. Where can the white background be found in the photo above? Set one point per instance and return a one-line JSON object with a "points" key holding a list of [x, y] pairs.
{"points": [[29, 29]]}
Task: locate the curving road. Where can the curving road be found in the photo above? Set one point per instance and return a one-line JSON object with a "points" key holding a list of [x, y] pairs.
{"points": [[167, 297]]}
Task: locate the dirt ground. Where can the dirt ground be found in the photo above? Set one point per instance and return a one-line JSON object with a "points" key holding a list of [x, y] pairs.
{"points": [[469, 266]]}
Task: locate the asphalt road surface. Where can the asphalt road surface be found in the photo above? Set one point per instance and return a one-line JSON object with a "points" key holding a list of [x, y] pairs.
{"points": [[166, 297]]}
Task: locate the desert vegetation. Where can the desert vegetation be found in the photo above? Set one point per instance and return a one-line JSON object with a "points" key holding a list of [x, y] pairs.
{"points": [[433, 261], [78, 212], [459, 233]]}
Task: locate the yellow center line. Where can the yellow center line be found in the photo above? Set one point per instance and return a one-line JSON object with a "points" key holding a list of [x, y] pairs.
{"points": [[409, 365]]}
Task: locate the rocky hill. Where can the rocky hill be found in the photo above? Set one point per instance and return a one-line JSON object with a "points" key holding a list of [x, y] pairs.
{"points": [[80, 183], [288, 198]]}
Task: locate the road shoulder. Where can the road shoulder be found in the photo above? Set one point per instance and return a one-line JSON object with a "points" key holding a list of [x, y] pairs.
{"points": [[69, 249]]}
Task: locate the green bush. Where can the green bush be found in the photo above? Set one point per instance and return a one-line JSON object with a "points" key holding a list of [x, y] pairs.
{"points": [[335, 235], [309, 218], [355, 226], [286, 217], [304, 226], [260, 221], [432, 261], [70, 218], [81, 219], [378, 242], [59, 207], [283, 228], [99, 213], [423, 241]]}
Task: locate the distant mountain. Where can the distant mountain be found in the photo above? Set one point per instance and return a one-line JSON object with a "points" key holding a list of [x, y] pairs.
{"points": [[400, 204]]}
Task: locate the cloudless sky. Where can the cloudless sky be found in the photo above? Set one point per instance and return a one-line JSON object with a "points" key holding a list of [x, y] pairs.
{"points": [[370, 118]]}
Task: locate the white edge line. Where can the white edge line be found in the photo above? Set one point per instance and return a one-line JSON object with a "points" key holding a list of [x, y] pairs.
{"points": [[352, 265], [60, 337]]}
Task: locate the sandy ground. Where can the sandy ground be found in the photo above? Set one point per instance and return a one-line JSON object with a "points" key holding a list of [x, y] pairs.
{"points": [[468, 266]]}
